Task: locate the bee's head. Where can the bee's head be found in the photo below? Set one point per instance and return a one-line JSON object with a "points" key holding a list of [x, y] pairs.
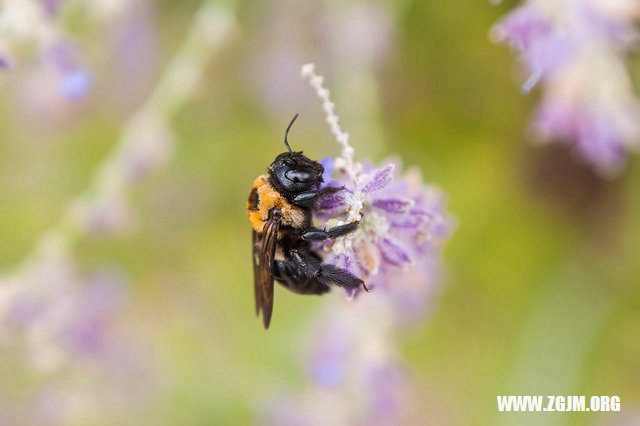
{"points": [[294, 172]]}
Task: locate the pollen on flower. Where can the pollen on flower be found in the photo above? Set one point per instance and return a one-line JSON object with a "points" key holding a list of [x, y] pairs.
{"points": [[368, 255]]}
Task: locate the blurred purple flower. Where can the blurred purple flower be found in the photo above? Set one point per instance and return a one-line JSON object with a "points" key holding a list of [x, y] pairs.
{"points": [[53, 88], [60, 329], [105, 215], [576, 51], [326, 365], [131, 55], [75, 81], [355, 376], [61, 316], [51, 6], [387, 401], [96, 303], [33, 23], [348, 36]]}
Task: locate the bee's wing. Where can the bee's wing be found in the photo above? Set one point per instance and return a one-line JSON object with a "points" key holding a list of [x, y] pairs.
{"points": [[255, 255], [264, 250]]}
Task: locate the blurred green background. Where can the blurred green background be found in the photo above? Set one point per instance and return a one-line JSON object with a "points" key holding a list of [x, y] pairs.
{"points": [[541, 293]]}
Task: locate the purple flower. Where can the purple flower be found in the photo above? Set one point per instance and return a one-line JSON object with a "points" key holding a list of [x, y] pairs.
{"points": [[327, 163], [393, 204], [576, 52], [393, 252], [398, 219]]}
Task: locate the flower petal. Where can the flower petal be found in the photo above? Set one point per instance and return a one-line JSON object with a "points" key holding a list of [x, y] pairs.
{"points": [[394, 204], [348, 262], [392, 252], [407, 221], [352, 292], [333, 201], [327, 163], [378, 179]]}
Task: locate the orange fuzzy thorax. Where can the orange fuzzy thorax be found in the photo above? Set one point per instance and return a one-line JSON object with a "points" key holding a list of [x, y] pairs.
{"points": [[269, 199]]}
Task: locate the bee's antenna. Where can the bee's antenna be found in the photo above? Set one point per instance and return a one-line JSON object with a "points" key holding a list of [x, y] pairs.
{"points": [[287, 132]]}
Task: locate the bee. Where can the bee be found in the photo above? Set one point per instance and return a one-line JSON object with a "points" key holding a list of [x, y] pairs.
{"points": [[280, 208]]}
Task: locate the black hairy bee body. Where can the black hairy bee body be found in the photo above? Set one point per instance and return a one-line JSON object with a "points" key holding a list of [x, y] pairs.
{"points": [[280, 208]]}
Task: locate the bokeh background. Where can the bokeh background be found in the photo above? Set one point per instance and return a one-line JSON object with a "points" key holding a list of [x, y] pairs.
{"points": [[541, 292]]}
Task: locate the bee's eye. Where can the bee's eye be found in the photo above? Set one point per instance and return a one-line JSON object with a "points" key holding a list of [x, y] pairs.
{"points": [[299, 176], [289, 163]]}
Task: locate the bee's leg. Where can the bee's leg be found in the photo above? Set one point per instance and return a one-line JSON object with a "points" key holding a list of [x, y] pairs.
{"points": [[290, 276], [308, 198], [318, 234], [328, 275]]}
